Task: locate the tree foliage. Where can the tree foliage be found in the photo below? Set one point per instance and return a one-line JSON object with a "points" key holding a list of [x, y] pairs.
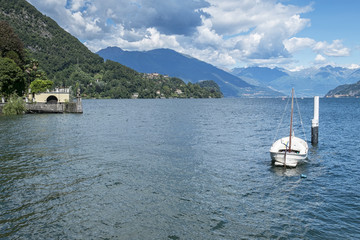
{"points": [[17, 70], [10, 44], [211, 86], [39, 85], [12, 79]]}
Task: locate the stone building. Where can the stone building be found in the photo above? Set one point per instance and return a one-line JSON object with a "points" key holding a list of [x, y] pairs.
{"points": [[59, 95]]}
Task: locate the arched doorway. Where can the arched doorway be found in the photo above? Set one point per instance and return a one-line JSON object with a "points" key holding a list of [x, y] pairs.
{"points": [[52, 100]]}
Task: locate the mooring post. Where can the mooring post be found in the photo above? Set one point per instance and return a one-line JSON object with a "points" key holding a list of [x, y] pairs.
{"points": [[78, 102], [315, 122]]}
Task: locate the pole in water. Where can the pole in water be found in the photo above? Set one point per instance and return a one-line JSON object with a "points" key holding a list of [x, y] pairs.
{"points": [[315, 122]]}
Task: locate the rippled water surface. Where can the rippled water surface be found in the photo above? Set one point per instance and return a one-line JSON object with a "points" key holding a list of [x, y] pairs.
{"points": [[178, 169]]}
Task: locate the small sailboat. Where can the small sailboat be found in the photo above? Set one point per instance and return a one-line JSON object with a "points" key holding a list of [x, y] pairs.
{"points": [[290, 150]]}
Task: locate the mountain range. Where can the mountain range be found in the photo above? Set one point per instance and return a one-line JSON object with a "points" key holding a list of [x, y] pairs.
{"points": [[249, 81], [307, 82], [189, 69]]}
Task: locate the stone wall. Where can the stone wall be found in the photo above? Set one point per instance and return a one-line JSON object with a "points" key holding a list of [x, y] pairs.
{"points": [[71, 107], [44, 108]]}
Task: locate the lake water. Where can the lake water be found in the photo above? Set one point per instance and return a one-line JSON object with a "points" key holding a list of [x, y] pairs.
{"points": [[178, 169]]}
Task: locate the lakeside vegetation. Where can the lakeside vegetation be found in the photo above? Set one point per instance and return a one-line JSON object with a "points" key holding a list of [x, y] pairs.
{"points": [[15, 106], [35, 50]]}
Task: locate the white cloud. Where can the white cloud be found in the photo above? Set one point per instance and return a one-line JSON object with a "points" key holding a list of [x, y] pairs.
{"points": [[147, 40], [218, 58], [206, 36], [322, 49], [257, 28], [231, 17], [354, 66], [297, 68], [75, 5], [336, 49], [69, 17], [296, 44], [320, 59], [223, 33]]}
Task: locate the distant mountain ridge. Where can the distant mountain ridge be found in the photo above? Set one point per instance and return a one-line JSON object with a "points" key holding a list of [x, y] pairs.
{"points": [[346, 90], [250, 81], [307, 82], [189, 69], [262, 74]]}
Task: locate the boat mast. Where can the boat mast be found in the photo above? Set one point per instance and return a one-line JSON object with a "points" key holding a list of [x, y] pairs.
{"points": [[291, 118]]}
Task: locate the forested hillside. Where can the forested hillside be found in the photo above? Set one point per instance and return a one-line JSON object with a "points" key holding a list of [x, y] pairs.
{"points": [[52, 46], [346, 90], [170, 62], [67, 62]]}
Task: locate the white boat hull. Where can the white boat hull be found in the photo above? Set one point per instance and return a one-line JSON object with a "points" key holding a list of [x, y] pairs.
{"points": [[290, 160], [281, 156]]}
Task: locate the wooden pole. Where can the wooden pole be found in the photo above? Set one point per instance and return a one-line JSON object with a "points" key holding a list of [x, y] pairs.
{"points": [[315, 122], [285, 157], [291, 118]]}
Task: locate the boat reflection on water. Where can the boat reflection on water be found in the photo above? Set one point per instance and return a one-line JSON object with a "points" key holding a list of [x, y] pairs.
{"points": [[289, 172]]}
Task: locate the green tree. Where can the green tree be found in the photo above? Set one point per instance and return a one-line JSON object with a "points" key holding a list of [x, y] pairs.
{"points": [[39, 85], [10, 44], [80, 76], [12, 79], [83, 80], [166, 90]]}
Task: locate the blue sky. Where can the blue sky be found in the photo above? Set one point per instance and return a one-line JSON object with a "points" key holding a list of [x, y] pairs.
{"points": [[292, 34], [334, 19]]}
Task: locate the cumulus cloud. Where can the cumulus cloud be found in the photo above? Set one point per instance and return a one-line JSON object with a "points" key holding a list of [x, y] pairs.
{"points": [[72, 16], [168, 17], [223, 33], [233, 17], [75, 5], [258, 27], [335, 49], [150, 38], [296, 44], [320, 58]]}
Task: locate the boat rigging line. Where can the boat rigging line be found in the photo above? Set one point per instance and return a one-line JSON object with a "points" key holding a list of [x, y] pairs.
{"points": [[282, 117]]}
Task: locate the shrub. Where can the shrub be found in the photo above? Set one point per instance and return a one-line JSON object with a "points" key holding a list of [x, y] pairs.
{"points": [[14, 106]]}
